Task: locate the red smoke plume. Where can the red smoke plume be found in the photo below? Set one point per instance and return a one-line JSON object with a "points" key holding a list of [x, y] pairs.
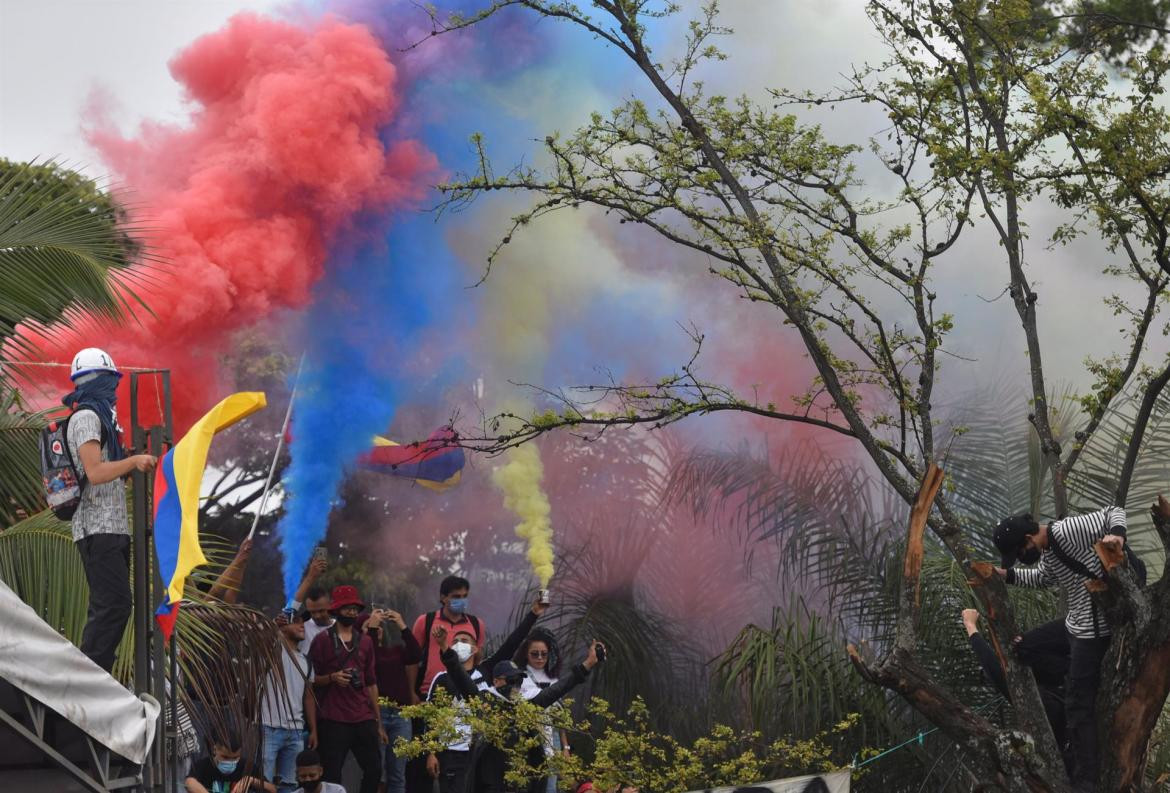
{"points": [[281, 153]]}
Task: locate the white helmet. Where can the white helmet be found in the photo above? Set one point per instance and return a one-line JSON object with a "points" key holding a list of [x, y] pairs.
{"points": [[90, 361]]}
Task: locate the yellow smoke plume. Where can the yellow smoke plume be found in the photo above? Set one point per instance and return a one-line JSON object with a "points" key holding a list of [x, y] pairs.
{"points": [[520, 481]]}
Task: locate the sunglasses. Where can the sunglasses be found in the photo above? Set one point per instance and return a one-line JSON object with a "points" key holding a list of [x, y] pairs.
{"points": [[538, 653]]}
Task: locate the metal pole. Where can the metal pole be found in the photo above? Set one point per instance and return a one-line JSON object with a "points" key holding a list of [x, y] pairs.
{"points": [[279, 446], [158, 668], [173, 759], [142, 569]]}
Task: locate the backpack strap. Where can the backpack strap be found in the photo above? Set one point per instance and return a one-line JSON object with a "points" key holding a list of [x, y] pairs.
{"points": [[424, 647], [1081, 569], [475, 624], [1076, 565]]}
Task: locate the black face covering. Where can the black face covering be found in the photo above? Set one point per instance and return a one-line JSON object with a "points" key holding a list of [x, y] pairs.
{"points": [[346, 620], [1029, 555], [311, 786]]}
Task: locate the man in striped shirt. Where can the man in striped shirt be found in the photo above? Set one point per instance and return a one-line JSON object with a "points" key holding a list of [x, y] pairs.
{"points": [[1064, 551]]}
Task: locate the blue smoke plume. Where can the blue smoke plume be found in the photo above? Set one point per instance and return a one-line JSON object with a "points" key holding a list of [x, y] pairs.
{"points": [[369, 315]]}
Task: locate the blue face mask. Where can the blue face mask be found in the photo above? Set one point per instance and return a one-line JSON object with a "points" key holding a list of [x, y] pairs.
{"points": [[227, 766], [458, 605]]}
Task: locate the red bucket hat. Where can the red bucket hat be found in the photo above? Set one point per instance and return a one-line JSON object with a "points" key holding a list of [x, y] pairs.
{"points": [[345, 596]]}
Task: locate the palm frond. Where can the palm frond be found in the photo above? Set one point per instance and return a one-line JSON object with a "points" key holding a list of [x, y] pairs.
{"points": [[225, 651], [66, 251], [21, 489]]}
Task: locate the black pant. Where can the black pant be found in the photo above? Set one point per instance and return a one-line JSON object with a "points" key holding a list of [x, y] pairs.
{"points": [[417, 778], [1080, 696], [453, 768], [490, 770], [336, 739], [106, 559]]}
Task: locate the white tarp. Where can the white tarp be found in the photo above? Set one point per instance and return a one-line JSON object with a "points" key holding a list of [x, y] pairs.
{"points": [[46, 666], [835, 782]]}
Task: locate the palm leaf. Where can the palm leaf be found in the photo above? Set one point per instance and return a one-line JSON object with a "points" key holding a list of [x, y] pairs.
{"points": [[225, 651], [63, 250], [21, 489]]}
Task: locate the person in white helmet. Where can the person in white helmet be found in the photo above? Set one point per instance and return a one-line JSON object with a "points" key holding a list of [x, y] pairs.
{"points": [[101, 530]]}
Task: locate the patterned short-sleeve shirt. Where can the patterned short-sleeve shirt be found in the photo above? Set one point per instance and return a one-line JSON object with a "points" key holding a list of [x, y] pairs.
{"points": [[103, 507]]}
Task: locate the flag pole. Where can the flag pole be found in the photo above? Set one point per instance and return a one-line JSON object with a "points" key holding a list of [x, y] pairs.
{"points": [[279, 447]]}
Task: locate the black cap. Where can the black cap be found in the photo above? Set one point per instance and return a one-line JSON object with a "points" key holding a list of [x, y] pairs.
{"points": [[508, 671], [1010, 534]]}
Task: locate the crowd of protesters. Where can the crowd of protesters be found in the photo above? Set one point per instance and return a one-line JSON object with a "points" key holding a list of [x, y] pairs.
{"points": [[348, 669], [345, 670]]}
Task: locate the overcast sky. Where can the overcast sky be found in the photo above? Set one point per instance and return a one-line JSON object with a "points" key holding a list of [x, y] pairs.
{"points": [[57, 53]]}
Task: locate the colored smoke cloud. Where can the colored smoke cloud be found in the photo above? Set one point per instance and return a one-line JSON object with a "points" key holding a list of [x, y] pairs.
{"points": [[367, 336], [281, 152], [519, 479]]}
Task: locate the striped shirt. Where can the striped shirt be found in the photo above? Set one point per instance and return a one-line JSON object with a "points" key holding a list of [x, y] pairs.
{"points": [[103, 507], [1076, 537]]}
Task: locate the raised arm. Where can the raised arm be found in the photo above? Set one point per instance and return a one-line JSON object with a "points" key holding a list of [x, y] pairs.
{"points": [[316, 569], [227, 586], [576, 677], [458, 676], [516, 637]]}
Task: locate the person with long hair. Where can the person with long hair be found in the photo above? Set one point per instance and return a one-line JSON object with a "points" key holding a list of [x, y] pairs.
{"points": [[540, 657]]}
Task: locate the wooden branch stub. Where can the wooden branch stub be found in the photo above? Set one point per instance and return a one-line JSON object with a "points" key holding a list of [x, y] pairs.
{"points": [[919, 514], [983, 572], [1112, 555]]}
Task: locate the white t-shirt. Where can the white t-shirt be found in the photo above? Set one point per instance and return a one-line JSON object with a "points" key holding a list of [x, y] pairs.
{"points": [[462, 743], [537, 681], [274, 707], [311, 631]]}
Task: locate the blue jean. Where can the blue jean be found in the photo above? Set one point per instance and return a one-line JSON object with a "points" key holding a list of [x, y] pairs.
{"points": [[281, 748], [395, 726]]}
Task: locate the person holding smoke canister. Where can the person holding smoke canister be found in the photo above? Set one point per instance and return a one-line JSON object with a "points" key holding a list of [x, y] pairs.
{"points": [[282, 710], [345, 716], [540, 658], [1064, 554], [452, 765], [488, 764], [101, 529]]}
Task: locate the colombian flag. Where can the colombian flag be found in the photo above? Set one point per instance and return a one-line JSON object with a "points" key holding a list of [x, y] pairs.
{"points": [[436, 463], [177, 480]]}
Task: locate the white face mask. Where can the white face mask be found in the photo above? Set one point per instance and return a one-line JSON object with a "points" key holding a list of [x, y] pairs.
{"points": [[463, 650]]}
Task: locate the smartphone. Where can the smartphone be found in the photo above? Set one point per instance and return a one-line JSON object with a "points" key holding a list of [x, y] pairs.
{"points": [[600, 653], [321, 552], [545, 598]]}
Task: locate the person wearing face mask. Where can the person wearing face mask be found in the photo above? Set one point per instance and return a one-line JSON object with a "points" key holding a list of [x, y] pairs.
{"points": [[451, 766], [222, 772], [345, 716], [311, 775], [488, 763], [101, 530], [452, 616], [1064, 555]]}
